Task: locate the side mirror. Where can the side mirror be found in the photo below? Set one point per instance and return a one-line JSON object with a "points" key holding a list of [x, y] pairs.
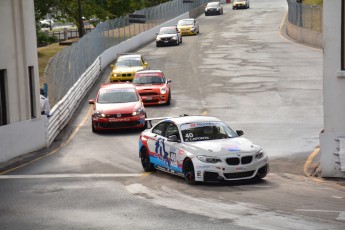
{"points": [[92, 101], [169, 81], [112, 66], [173, 138], [146, 64], [239, 132], [156, 33]]}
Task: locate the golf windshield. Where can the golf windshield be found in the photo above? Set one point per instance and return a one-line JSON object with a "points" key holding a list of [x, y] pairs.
{"points": [[117, 96], [203, 131]]}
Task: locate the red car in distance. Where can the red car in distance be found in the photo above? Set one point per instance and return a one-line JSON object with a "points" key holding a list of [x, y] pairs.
{"points": [[153, 87], [117, 106]]}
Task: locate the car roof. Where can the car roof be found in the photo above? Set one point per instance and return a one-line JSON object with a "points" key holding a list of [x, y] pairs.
{"points": [[126, 56], [190, 119], [118, 86], [187, 19], [168, 27], [150, 71]]}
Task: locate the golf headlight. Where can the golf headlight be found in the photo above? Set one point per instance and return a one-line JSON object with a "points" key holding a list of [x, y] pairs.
{"points": [[99, 114], [218, 9], [138, 111], [163, 90], [260, 154], [207, 159], [158, 39], [174, 38]]}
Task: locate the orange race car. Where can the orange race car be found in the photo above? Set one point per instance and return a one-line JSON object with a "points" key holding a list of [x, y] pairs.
{"points": [[153, 87]]}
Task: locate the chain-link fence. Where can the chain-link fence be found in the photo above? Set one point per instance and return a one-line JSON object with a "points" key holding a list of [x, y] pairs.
{"points": [[305, 16], [69, 64]]}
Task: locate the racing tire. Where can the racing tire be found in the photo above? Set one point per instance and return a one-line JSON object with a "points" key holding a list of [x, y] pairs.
{"points": [[188, 172], [145, 160], [169, 99], [94, 130]]}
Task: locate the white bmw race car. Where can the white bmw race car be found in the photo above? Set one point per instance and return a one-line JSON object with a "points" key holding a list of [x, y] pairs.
{"points": [[201, 149]]}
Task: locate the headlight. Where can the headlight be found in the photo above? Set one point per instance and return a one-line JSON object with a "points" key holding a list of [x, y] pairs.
{"points": [[174, 38], [158, 38], [138, 111], [116, 74], [163, 90], [260, 154], [218, 9], [99, 114], [207, 159]]}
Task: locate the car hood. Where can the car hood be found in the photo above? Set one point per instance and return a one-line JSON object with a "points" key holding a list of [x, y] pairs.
{"points": [[142, 88], [243, 2], [211, 7], [185, 27], [166, 35], [114, 108], [223, 147], [127, 69]]}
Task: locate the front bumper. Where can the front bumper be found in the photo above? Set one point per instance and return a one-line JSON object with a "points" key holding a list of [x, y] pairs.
{"points": [[122, 77], [164, 42], [188, 31], [100, 123], [223, 172], [240, 6], [212, 12], [154, 99]]}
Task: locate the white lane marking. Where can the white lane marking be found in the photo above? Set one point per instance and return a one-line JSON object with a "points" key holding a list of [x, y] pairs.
{"points": [[43, 176], [337, 197], [243, 214], [340, 217]]}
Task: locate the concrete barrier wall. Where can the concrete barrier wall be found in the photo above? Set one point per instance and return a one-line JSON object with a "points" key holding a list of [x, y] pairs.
{"points": [[305, 36], [22, 137], [135, 42], [64, 109]]}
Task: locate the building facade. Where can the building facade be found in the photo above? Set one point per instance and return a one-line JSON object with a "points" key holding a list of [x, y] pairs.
{"points": [[332, 139], [22, 128]]}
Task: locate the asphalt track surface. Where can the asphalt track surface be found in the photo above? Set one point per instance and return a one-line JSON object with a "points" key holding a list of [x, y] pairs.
{"points": [[239, 69]]}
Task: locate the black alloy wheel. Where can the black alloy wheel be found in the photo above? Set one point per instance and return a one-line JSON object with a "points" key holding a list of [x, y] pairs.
{"points": [[188, 172], [145, 160]]}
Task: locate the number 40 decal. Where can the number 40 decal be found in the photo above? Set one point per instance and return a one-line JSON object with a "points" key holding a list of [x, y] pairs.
{"points": [[189, 135]]}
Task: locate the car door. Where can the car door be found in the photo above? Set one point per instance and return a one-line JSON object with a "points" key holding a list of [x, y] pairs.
{"points": [[156, 144], [173, 148]]}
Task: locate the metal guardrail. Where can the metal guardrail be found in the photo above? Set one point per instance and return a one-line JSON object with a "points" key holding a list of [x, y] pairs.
{"points": [[305, 16], [64, 109], [69, 64]]}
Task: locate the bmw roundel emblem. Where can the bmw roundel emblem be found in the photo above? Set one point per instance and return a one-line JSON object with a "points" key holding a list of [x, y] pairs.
{"points": [[118, 115]]}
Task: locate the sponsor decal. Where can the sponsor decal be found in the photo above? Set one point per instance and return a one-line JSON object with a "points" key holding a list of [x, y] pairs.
{"points": [[232, 148]]}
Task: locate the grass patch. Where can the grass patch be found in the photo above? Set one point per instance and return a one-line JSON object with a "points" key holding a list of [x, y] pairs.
{"points": [[44, 55], [313, 2]]}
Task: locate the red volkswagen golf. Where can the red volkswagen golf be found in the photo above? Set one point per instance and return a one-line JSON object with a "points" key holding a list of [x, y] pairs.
{"points": [[153, 87], [117, 106]]}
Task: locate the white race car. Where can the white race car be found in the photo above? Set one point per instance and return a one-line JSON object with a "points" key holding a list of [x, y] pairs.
{"points": [[201, 149]]}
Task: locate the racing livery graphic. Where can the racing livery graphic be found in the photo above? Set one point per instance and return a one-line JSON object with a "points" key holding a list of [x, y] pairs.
{"points": [[201, 149]]}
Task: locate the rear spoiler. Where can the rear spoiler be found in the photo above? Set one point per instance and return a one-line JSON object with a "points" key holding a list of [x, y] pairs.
{"points": [[148, 121]]}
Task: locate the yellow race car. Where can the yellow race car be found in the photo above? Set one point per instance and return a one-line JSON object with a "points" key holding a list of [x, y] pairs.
{"points": [[240, 4], [126, 66], [188, 26]]}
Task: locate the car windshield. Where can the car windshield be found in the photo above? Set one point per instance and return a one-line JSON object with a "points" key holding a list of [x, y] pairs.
{"points": [[167, 31], [212, 4], [107, 96], [185, 22], [148, 79], [128, 62], [203, 131]]}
